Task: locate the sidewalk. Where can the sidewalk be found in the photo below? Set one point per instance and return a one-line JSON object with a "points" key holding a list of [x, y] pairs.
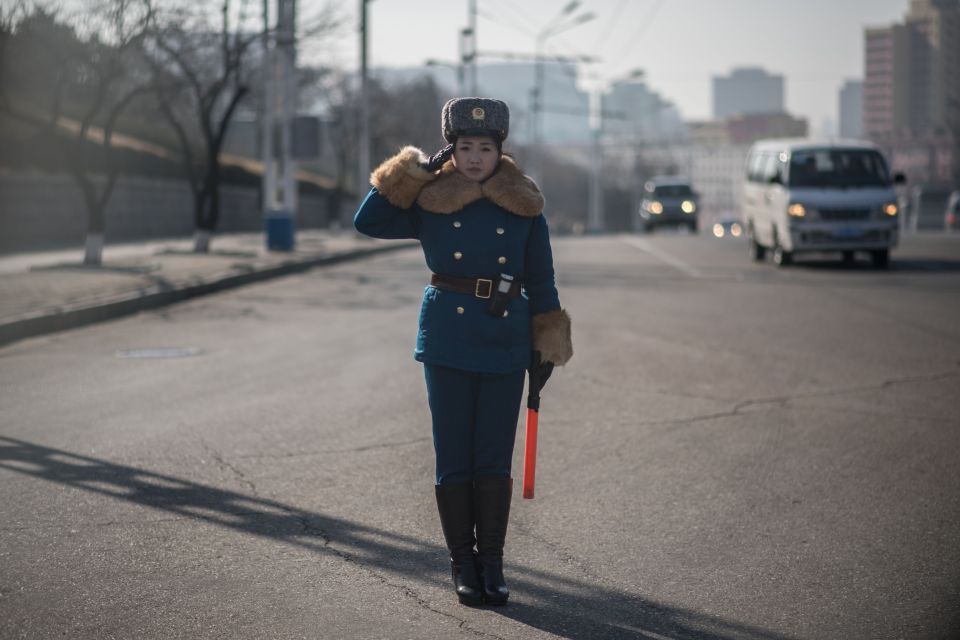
{"points": [[50, 291]]}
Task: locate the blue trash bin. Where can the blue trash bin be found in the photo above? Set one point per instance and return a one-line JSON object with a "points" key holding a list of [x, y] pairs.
{"points": [[280, 230]]}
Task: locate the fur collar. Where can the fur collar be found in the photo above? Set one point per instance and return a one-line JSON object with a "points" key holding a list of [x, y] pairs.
{"points": [[507, 187]]}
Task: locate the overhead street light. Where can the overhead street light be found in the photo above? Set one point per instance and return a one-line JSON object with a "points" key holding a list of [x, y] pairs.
{"points": [[557, 25], [457, 68]]}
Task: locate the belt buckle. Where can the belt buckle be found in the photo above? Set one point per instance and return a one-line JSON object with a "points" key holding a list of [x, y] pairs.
{"points": [[489, 284]]}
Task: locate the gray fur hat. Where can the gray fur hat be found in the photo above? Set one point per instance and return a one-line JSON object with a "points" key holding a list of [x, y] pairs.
{"points": [[475, 116]]}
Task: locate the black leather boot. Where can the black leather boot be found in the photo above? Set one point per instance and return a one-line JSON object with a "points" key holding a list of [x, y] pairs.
{"points": [[455, 504], [491, 501]]}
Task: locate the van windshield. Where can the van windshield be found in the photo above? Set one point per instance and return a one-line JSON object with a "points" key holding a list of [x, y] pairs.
{"points": [[838, 168], [673, 191]]}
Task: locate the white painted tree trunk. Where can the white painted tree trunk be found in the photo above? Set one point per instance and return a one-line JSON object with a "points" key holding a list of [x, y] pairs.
{"points": [[93, 250], [201, 241]]}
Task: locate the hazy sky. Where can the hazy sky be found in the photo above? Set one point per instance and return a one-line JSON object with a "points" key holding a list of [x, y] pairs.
{"points": [[681, 44]]}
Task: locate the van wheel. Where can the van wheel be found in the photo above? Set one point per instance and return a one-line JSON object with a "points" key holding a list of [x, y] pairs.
{"points": [[781, 257], [757, 251], [880, 258], [693, 227], [848, 257]]}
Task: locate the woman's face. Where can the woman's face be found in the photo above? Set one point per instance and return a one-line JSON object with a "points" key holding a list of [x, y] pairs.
{"points": [[476, 157]]}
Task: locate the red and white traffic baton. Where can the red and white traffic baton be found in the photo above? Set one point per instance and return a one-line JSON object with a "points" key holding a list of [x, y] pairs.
{"points": [[530, 454], [539, 372]]}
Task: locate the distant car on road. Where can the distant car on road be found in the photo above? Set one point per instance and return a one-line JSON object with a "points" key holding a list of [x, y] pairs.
{"points": [[668, 201], [727, 228], [951, 217]]}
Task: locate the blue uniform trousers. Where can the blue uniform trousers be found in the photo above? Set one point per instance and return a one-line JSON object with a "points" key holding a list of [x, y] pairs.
{"points": [[474, 421]]}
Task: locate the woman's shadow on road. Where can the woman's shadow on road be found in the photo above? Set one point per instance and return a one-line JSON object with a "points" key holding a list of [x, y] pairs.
{"points": [[557, 604]]}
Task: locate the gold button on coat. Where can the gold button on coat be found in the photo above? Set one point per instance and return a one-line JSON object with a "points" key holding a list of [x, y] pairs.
{"points": [[457, 255], [460, 310], [502, 260], [457, 225], [499, 231]]}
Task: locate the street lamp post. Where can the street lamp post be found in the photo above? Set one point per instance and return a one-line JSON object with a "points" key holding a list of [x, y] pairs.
{"points": [[457, 68], [363, 169], [279, 201], [596, 221], [554, 27]]}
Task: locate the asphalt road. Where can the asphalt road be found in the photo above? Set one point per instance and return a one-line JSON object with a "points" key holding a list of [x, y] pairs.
{"points": [[735, 451]]}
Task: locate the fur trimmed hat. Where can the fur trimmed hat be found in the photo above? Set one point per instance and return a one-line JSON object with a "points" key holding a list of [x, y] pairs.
{"points": [[475, 116]]}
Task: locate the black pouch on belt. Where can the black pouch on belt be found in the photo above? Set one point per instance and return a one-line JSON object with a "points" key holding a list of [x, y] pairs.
{"points": [[501, 296]]}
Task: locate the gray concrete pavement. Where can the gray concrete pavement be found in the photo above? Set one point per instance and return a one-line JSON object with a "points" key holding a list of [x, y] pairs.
{"points": [[735, 451], [41, 292]]}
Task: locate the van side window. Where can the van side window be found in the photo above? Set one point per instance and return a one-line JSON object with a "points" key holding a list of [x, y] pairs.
{"points": [[755, 167], [770, 167]]}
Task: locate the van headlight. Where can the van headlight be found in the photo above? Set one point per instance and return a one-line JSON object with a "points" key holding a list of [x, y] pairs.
{"points": [[796, 210], [655, 208], [890, 209], [688, 206]]}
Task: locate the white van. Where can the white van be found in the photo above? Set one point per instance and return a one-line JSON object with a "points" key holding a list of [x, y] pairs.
{"points": [[810, 196]]}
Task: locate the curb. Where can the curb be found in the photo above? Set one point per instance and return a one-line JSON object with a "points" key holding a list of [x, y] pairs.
{"points": [[74, 316]]}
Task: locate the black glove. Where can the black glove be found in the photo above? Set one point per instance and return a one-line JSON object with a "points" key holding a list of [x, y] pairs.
{"points": [[438, 159], [539, 374]]}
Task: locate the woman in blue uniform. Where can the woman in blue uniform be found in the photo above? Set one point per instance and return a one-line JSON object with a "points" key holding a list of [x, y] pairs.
{"points": [[491, 310]]}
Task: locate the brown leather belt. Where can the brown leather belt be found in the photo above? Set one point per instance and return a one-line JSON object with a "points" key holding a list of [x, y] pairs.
{"points": [[478, 287]]}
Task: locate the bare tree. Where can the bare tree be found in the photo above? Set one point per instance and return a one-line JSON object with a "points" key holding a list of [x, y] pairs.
{"points": [[73, 89], [400, 114], [199, 80], [204, 64]]}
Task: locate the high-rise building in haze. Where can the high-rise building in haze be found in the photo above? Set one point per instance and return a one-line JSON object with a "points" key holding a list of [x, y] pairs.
{"points": [[911, 95], [633, 111], [851, 109], [747, 90]]}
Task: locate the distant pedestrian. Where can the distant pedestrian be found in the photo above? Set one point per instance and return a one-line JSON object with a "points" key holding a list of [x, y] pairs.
{"points": [[490, 310]]}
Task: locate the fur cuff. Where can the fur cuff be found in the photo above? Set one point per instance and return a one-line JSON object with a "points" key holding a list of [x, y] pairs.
{"points": [[401, 177], [551, 336]]}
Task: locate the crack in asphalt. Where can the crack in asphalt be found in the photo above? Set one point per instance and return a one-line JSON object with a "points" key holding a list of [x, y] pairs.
{"points": [[224, 464], [93, 525], [562, 554], [782, 402], [325, 452], [329, 543], [886, 313], [659, 392]]}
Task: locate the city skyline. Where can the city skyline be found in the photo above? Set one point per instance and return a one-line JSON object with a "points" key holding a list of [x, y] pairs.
{"points": [[784, 39]]}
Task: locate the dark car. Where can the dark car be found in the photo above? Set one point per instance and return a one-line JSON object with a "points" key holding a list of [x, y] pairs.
{"points": [[951, 217], [668, 201]]}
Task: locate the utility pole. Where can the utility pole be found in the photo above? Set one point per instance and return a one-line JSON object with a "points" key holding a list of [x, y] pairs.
{"points": [[554, 27], [280, 204], [472, 22], [269, 183], [288, 52], [595, 217], [363, 169]]}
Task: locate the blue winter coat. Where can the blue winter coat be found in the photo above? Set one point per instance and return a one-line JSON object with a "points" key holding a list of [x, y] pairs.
{"points": [[468, 230]]}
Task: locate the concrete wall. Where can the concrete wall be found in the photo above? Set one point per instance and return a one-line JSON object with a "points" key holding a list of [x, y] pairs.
{"points": [[39, 211]]}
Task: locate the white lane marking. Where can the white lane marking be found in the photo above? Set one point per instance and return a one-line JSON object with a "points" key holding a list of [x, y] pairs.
{"points": [[674, 262]]}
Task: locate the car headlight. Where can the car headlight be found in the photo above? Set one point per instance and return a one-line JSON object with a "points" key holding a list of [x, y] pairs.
{"points": [[655, 208], [688, 206], [718, 230], [891, 209], [796, 210]]}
